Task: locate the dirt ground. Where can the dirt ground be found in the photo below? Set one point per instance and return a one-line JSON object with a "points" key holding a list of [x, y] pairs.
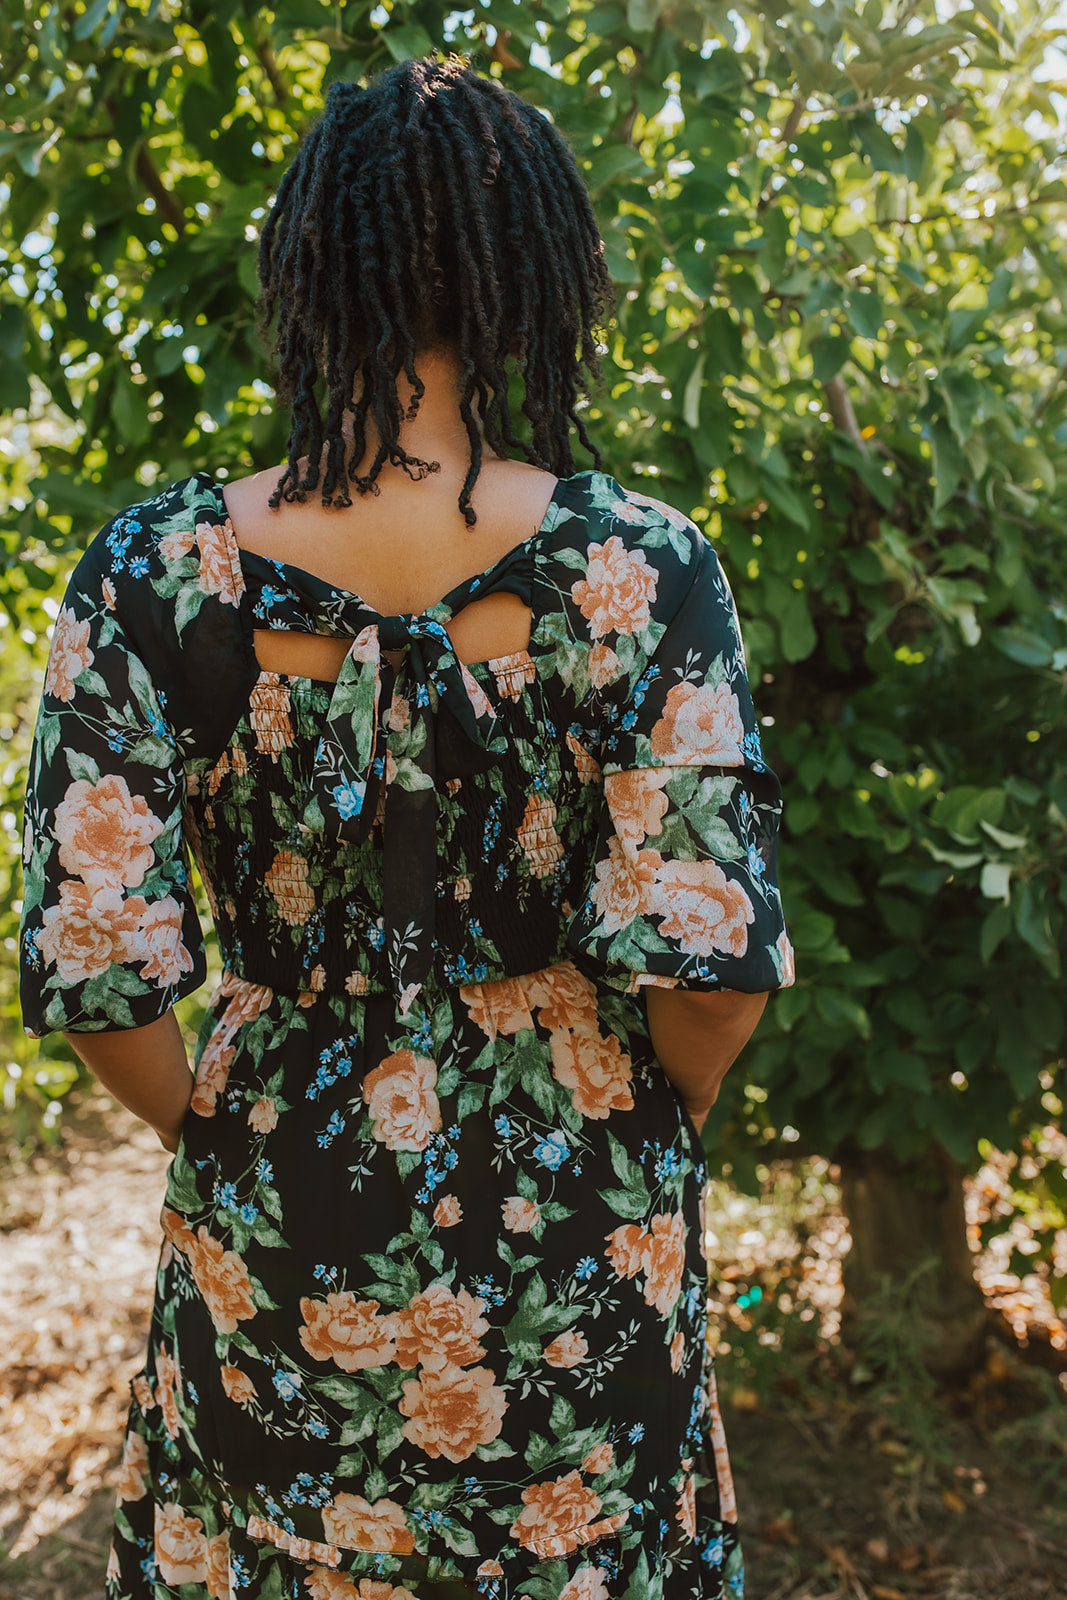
{"points": [[847, 1490]]}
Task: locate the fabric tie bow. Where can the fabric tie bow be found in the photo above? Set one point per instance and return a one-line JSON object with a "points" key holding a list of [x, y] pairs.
{"points": [[402, 733]]}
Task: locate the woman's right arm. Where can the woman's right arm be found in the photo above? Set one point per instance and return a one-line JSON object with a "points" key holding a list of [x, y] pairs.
{"points": [[697, 1037]]}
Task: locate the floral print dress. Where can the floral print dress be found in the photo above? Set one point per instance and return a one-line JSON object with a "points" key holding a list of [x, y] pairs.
{"points": [[430, 1310]]}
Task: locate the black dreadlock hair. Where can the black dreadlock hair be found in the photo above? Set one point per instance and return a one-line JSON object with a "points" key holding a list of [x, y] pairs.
{"points": [[432, 208]]}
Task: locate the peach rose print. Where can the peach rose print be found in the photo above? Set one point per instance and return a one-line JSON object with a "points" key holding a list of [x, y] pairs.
{"points": [[355, 1524], [287, 882], [482, 705], [212, 1072], [675, 518], [784, 960], [686, 1509], [637, 802], [263, 1117], [702, 908], [599, 1459], [564, 997], [90, 930], [604, 666], [68, 655], [439, 1329], [625, 885], [322, 1584], [237, 1385], [627, 1248], [219, 574], [595, 1070], [723, 1473], [134, 1468], [448, 1211], [402, 1102], [173, 546], [617, 592], [497, 1007], [218, 1567], [452, 1410], [222, 1278], [168, 1386], [587, 1584], [181, 1548], [560, 1509], [665, 1261], [519, 1215], [585, 766], [105, 834], [537, 835], [700, 726], [568, 1349], [247, 1000], [347, 1331], [513, 673], [269, 713], [142, 1392], [160, 945]]}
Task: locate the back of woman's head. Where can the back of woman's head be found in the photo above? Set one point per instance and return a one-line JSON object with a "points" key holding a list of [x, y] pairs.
{"points": [[431, 209]]}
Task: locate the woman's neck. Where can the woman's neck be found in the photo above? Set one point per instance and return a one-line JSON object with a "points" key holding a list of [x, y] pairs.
{"points": [[436, 433]]}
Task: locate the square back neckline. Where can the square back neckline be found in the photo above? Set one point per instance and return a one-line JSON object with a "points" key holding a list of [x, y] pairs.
{"points": [[239, 557]]}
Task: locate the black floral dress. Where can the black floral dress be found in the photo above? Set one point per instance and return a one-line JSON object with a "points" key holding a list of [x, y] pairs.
{"points": [[430, 1312]]}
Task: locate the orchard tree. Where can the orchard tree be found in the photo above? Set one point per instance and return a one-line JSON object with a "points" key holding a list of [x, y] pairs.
{"points": [[841, 347]]}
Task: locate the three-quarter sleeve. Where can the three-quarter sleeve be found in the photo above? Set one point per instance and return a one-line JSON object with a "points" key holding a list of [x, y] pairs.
{"points": [[110, 935], [682, 890]]}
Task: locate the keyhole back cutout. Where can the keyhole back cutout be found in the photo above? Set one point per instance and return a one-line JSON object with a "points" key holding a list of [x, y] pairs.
{"points": [[497, 625]]}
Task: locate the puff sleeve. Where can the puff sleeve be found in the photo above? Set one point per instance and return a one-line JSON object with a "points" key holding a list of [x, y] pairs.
{"points": [[110, 935], [682, 890]]}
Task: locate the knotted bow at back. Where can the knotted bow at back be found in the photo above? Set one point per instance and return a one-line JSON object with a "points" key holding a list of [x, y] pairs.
{"points": [[392, 737]]}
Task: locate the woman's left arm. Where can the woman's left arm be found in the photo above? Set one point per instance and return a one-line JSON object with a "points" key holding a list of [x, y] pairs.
{"points": [[147, 1069]]}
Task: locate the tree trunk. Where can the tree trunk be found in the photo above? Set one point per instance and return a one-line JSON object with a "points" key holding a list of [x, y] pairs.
{"points": [[909, 1276]]}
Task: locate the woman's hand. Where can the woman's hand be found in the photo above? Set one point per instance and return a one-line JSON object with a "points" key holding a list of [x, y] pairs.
{"points": [[146, 1069]]}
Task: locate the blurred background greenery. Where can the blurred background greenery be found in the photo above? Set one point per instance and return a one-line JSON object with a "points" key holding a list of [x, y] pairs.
{"points": [[836, 233]]}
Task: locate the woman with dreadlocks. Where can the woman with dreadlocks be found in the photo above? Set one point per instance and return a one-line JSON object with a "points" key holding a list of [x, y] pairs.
{"points": [[461, 739]]}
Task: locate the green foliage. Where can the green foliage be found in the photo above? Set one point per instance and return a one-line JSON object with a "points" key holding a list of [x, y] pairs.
{"points": [[841, 346]]}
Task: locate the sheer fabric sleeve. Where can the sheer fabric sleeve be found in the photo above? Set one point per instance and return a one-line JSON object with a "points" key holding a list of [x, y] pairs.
{"points": [[110, 935], [683, 891]]}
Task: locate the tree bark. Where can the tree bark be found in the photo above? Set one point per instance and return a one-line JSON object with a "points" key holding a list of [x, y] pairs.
{"points": [[910, 1260]]}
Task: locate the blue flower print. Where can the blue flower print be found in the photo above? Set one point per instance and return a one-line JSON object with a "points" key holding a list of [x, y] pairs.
{"points": [[712, 1551], [287, 1383], [553, 1151], [585, 1268], [348, 798], [668, 1164]]}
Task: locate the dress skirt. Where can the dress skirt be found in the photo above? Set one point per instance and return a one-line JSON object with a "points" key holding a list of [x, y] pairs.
{"points": [[430, 1318]]}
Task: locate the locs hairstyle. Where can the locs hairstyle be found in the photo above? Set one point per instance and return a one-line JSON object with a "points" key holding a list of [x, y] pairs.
{"points": [[431, 208]]}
